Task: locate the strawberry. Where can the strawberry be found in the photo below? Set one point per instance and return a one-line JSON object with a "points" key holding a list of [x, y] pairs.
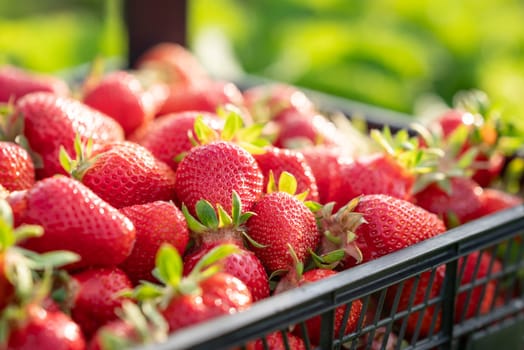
{"points": [[51, 121], [243, 265], [380, 224], [155, 223], [377, 173], [123, 173], [313, 325], [125, 98], [45, 330], [75, 219], [471, 300], [17, 171], [16, 82], [493, 200], [204, 294], [20, 269], [278, 160], [473, 117], [476, 300], [94, 297], [206, 97], [275, 341], [296, 130], [210, 229], [268, 101], [455, 206], [282, 220], [167, 137], [213, 171], [135, 326], [179, 67], [325, 163]]}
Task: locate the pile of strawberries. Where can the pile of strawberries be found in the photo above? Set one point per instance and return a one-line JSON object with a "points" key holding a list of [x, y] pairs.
{"points": [[148, 200]]}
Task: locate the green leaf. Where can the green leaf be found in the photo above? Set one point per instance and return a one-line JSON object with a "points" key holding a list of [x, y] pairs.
{"points": [[22, 279], [252, 134], [252, 148], [224, 220], [53, 259], [233, 123], [245, 216], [457, 139], [178, 158], [313, 206], [287, 183], [213, 256], [236, 207], [206, 214], [271, 183], [466, 160], [145, 291], [65, 160], [27, 231], [253, 242], [79, 148], [193, 224], [204, 133], [169, 264], [6, 213]]}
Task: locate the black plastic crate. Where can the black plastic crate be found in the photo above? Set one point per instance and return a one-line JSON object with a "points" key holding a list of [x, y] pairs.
{"points": [[377, 284], [502, 325]]}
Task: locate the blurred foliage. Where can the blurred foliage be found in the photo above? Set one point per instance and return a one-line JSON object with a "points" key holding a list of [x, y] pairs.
{"points": [[53, 35], [389, 53]]}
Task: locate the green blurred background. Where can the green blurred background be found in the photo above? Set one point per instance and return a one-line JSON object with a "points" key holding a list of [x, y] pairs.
{"points": [[389, 53]]}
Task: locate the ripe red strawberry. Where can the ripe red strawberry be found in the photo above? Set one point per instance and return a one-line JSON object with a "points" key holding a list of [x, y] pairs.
{"points": [[313, 325], [75, 219], [371, 174], [213, 171], [297, 130], [481, 133], [45, 330], [206, 97], [20, 269], [267, 102], [493, 200], [280, 221], [243, 265], [381, 225], [222, 294], [124, 173], [177, 64], [155, 223], [51, 121], [16, 82], [94, 297], [275, 341], [476, 300], [135, 326], [456, 206], [204, 294], [473, 267], [212, 227], [17, 171], [278, 160], [167, 137], [122, 96], [325, 163]]}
